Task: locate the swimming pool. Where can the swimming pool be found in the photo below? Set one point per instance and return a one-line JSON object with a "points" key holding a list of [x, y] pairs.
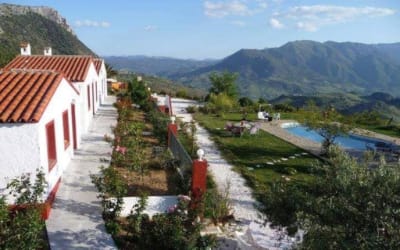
{"points": [[351, 141]]}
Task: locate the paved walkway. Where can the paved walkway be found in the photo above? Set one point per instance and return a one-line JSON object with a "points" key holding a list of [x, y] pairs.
{"points": [[75, 221], [249, 233]]}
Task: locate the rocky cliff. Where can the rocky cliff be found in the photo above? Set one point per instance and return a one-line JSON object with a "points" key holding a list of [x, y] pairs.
{"points": [[47, 12]]}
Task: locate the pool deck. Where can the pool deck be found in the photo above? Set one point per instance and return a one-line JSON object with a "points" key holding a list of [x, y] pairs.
{"points": [[275, 128]]}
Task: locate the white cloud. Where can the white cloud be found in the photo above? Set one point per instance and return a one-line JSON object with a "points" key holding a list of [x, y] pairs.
{"points": [[223, 8], [313, 17], [239, 23], [227, 8], [150, 28], [307, 26], [262, 4], [276, 24], [90, 23]]}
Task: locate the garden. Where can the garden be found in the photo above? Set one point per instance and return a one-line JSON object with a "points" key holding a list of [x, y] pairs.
{"points": [[142, 166]]}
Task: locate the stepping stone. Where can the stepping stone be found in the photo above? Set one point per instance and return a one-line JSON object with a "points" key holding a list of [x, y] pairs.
{"points": [[304, 153], [284, 159], [277, 161], [251, 169], [297, 155], [258, 166], [292, 157], [270, 163]]}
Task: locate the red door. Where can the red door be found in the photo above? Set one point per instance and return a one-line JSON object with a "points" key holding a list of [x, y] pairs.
{"points": [[74, 125]]}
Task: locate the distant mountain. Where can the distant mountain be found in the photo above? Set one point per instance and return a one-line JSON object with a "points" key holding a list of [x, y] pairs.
{"points": [[41, 27], [308, 67], [348, 103], [159, 66]]}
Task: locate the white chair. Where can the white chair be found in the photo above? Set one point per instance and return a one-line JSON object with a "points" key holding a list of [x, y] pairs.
{"points": [[260, 116]]}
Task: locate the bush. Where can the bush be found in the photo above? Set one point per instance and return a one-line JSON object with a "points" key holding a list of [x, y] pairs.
{"points": [[176, 229], [23, 228], [191, 109]]}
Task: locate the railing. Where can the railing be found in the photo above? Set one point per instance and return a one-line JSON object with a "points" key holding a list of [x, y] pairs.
{"points": [[180, 154]]}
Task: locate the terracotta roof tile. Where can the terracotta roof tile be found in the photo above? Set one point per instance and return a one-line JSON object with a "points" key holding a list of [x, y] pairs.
{"points": [[75, 68], [24, 95], [97, 64]]}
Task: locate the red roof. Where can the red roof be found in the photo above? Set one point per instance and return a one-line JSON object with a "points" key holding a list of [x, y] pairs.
{"points": [[97, 64], [24, 95], [75, 68]]}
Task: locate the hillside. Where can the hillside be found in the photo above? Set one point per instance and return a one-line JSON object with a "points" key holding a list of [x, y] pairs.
{"points": [[384, 104], [307, 67], [41, 27], [159, 66]]}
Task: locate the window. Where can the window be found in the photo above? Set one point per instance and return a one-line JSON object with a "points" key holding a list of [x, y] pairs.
{"points": [[66, 129], [88, 96], [51, 145]]}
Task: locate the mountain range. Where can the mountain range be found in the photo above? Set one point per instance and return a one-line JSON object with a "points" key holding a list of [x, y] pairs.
{"points": [[299, 67], [308, 67], [41, 27], [159, 66]]}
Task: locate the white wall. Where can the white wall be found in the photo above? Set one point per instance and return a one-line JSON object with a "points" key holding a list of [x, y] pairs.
{"points": [[19, 150], [86, 114], [102, 81], [60, 102]]}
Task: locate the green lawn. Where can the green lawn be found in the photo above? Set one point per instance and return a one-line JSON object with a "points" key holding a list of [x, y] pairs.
{"points": [[249, 154], [386, 130]]}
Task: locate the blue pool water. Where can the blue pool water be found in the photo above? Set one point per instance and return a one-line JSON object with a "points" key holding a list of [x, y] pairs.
{"points": [[350, 141]]}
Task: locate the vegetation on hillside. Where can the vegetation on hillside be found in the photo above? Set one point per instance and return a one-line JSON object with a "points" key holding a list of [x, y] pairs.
{"points": [[40, 32], [307, 67]]}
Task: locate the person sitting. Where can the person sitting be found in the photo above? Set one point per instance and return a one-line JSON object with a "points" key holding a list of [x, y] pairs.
{"points": [[266, 115]]}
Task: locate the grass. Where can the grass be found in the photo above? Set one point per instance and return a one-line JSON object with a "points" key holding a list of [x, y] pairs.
{"points": [[391, 130], [250, 154]]}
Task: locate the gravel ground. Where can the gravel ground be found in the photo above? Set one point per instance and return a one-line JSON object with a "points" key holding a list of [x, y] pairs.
{"points": [[248, 231]]}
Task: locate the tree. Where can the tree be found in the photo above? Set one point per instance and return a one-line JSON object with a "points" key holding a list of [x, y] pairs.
{"points": [[326, 122], [139, 93], [349, 206], [245, 102], [111, 72], [224, 83], [220, 103]]}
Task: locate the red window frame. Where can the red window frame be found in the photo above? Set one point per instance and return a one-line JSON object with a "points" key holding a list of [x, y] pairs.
{"points": [[67, 140], [88, 96], [51, 145]]}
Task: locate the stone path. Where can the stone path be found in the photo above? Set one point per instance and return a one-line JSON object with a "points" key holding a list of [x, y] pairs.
{"points": [[249, 232], [75, 221]]}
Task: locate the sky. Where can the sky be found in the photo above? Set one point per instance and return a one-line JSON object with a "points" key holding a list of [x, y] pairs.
{"points": [[213, 29]]}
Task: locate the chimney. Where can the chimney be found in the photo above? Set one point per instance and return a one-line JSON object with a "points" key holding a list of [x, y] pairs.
{"points": [[47, 51], [25, 49]]}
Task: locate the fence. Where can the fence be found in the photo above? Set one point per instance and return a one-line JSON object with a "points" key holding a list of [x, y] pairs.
{"points": [[180, 154]]}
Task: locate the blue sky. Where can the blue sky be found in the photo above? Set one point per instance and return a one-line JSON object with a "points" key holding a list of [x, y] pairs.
{"points": [[217, 28]]}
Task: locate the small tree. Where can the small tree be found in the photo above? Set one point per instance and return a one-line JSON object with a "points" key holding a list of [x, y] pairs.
{"points": [[220, 103], [326, 122], [139, 93], [224, 83]]}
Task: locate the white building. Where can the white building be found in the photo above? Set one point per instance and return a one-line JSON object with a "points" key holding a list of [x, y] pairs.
{"points": [[102, 78], [80, 70], [39, 124]]}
